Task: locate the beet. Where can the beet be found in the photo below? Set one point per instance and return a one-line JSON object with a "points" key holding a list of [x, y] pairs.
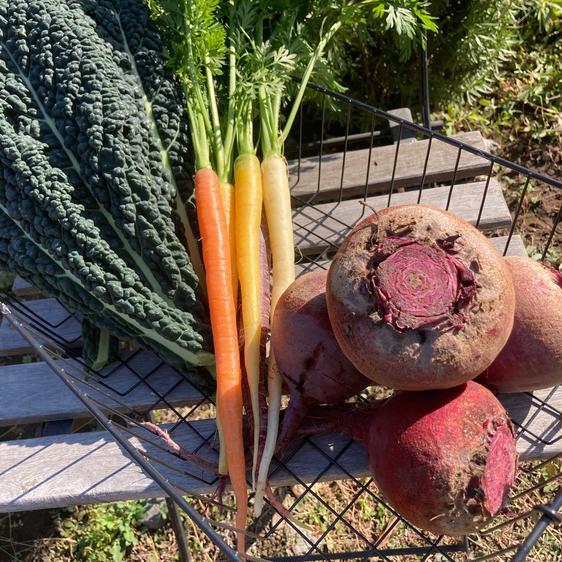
{"points": [[307, 354], [445, 459], [532, 356], [419, 299]]}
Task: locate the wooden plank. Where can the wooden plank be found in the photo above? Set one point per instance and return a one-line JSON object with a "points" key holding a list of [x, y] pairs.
{"points": [[516, 245], [319, 226], [33, 393], [409, 168], [516, 248], [86, 468], [11, 343], [24, 290], [66, 326], [398, 131]]}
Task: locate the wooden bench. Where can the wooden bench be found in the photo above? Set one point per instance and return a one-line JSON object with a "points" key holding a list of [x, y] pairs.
{"points": [[90, 467]]}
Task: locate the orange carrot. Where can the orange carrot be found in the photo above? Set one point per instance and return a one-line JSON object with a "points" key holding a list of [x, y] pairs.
{"points": [[227, 198], [217, 260]]}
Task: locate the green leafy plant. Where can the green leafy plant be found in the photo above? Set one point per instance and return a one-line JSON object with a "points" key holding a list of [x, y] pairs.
{"points": [[373, 52], [104, 532], [553, 257], [521, 105]]}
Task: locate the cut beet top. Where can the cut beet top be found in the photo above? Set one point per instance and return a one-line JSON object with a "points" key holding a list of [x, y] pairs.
{"points": [[417, 285], [419, 299], [446, 459]]}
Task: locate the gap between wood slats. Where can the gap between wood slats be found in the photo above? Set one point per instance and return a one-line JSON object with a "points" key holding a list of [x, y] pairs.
{"points": [[89, 467]]}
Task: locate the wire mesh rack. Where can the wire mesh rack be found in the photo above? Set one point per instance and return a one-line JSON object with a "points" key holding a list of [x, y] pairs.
{"points": [[331, 506]]}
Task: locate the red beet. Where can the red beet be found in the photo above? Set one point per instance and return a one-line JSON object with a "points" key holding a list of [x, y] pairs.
{"points": [[532, 357], [419, 299], [307, 353], [443, 459]]}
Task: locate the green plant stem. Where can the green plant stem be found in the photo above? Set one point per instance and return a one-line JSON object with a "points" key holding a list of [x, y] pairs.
{"points": [[218, 148], [245, 131], [231, 115], [268, 133], [305, 79], [199, 139]]}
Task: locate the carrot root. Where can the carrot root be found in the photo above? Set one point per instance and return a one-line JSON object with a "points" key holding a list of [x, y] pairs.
{"points": [[216, 257], [248, 211], [277, 204]]}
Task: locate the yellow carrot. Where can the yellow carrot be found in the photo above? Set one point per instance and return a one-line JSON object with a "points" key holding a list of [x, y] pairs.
{"points": [[277, 204], [248, 210]]}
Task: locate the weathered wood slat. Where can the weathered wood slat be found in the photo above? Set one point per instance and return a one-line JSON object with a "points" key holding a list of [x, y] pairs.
{"points": [[66, 326], [33, 393], [89, 467], [319, 226], [397, 130], [409, 168], [24, 290], [516, 248]]}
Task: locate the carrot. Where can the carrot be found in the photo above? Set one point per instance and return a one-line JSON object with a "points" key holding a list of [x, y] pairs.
{"points": [[248, 210], [216, 258], [227, 198], [196, 43], [224, 171], [277, 200]]}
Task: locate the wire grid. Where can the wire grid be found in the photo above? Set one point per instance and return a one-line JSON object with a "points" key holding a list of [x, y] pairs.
{"points": [[382, 533]]}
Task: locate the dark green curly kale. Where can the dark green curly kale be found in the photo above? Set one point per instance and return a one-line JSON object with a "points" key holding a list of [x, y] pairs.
{"points": [[92, 147]]}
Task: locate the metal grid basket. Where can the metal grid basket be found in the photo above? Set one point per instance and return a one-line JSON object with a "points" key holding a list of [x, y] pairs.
{"points": [[346, 520]]}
